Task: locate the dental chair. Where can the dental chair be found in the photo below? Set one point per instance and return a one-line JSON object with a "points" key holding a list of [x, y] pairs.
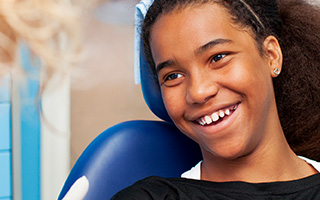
{"points": [[133, 150], [130, 151]]}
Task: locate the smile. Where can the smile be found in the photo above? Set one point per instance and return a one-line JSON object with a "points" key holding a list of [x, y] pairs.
{"points": [[217, 116]]}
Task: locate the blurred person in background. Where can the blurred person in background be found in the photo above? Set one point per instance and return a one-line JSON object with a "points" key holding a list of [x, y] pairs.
{"points": [[51, 30]]}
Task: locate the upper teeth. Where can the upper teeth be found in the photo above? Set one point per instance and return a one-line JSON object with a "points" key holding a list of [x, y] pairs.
{"points": [[221, 113], [208, 119], [227, 112], [215, 117]]}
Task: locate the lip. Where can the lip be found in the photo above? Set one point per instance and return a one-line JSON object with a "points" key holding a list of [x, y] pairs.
{"points": [[214, 128]]}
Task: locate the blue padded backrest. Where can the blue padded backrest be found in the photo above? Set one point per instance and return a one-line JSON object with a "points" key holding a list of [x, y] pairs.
{"points": [[130, 151], [151, 89], [149, 82]]}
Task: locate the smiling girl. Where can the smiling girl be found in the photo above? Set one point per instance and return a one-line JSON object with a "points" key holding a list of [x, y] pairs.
{"points": [[241, 78]]}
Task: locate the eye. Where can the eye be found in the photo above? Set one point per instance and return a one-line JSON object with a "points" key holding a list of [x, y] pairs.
{"points": [[173, 79], [173, 76], [218, 57]]}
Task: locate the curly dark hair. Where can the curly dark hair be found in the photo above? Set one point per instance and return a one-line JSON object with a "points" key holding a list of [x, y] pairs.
{"points": [[296, 24]]}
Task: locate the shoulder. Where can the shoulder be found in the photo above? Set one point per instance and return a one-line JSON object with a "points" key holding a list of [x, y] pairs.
{"points": [[313, 163], [193, 173]]}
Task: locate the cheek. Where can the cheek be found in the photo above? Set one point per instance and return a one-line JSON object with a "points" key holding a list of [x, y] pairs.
{"points": [[251, 76], [174, 102], [255, 85]]}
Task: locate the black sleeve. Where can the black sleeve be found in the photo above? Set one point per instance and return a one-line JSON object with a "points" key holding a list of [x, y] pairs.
{"points": [[157, 188], [151, 188], [132, 193]]}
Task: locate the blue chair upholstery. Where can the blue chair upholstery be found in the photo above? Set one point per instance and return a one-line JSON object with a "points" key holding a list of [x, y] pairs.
{"points": [[130, 151], [151, 89]]}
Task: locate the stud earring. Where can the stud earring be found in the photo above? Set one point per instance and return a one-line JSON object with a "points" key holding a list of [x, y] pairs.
{"points": [[276, 71]]}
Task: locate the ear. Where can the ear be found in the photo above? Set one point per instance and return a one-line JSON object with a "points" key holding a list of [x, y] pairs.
{"points": [[273, 55]]}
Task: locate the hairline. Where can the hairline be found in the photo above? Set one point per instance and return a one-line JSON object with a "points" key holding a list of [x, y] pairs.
{"points": [[236, 24]]}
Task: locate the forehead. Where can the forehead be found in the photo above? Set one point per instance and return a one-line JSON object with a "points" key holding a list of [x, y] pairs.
{"points": [[191, 18], [190, 27]]}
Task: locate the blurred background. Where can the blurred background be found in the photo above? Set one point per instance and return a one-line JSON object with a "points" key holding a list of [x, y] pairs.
{"points": [[38, 151], [103, 92]]}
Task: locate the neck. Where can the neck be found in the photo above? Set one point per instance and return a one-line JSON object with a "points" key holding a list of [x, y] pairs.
{"points": [[273, 161]]}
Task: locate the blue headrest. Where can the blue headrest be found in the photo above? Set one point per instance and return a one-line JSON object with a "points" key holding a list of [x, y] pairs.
{"points": [[151, 90], [130, 151], [143, 73]]}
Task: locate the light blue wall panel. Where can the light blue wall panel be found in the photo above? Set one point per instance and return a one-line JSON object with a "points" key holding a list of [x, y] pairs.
{"points": [[5, 140], [5, 129], [30, 129], [5, 174], [5, 89]]}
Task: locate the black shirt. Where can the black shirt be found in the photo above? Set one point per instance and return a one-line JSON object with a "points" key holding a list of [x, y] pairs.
{"points": [[159, 188]]}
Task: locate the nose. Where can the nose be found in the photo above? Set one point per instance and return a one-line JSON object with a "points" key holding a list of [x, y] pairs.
{"points": [[201, 88]]}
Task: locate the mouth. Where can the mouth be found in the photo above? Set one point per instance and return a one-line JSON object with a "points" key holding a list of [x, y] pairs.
{"points": [[217, 116]]}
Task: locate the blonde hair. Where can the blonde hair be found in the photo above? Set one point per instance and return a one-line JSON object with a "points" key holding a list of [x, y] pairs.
{"points": [[50, 28]]}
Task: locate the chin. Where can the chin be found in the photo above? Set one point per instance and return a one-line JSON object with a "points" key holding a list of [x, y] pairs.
{"points": [[228, 152]]}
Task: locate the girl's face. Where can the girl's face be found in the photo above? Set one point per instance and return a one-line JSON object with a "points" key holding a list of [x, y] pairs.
{"points": [[216, 86]]}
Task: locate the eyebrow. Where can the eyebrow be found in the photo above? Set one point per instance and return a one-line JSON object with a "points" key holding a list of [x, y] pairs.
{"points": [[212, 44], [200, 50], [163, 65]]}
